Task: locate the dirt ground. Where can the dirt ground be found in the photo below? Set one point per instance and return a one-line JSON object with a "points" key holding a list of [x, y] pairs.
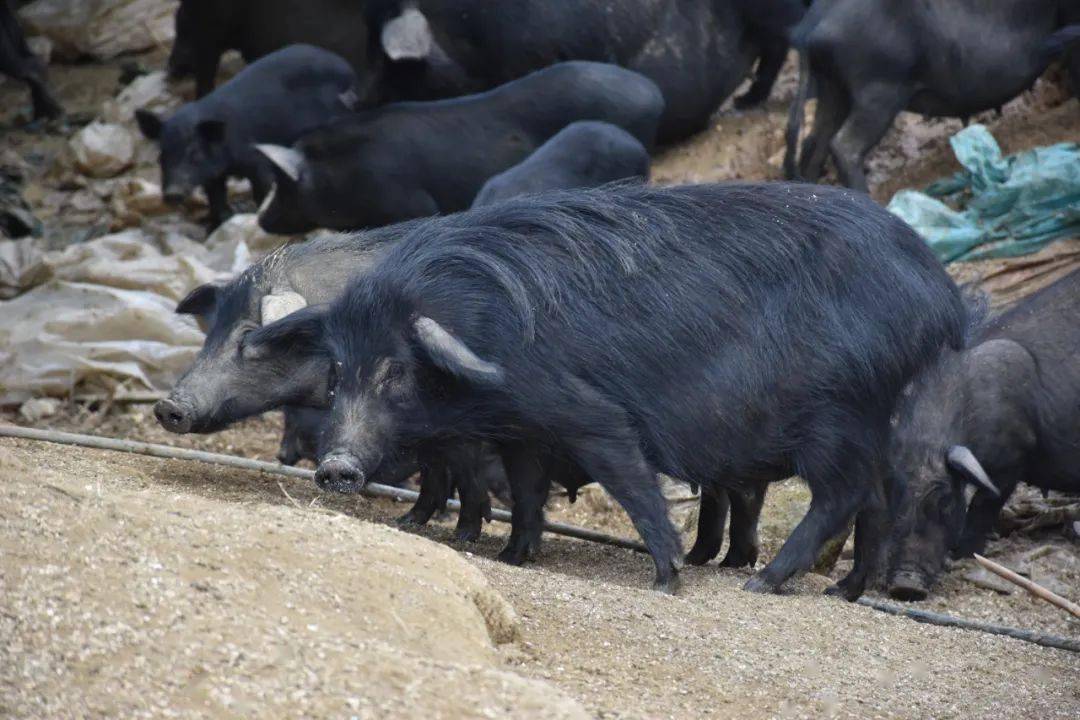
{"points": [[132, 586], [105, 609]]}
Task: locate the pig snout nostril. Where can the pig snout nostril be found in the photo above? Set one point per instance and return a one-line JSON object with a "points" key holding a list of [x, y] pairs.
{"points": [[172, 416], [340, 475]]}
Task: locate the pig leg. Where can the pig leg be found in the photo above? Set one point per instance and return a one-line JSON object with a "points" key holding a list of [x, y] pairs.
{"points": [[617, 464], [873, 109], [529, 485], [710, 527], [838, 490], [434, 488], [832, 110], [206, 69], [217, 196], [472, 492], [773, 53], [745, 512], [598, 436], [872, 526], [45, 105]]}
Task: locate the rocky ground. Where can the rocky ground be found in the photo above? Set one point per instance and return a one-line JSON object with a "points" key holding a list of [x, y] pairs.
{"points": [[139, 587]]}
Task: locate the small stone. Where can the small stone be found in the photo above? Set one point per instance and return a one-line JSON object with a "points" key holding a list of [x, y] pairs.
{"points": [[36, 409], [103, 149]]}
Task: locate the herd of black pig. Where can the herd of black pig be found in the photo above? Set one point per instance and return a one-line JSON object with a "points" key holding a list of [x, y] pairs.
{"points": [[568, 330]]}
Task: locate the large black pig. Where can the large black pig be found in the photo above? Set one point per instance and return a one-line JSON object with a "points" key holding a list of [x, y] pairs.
{"points": [[970, 428], [696, 52], [410, 160], [583, 154], [275, 100], [871, 59], [726, 335], [17, 61]]}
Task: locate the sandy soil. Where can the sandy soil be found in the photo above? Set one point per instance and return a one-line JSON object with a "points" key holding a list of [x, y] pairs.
{"points": [[125, 578]]}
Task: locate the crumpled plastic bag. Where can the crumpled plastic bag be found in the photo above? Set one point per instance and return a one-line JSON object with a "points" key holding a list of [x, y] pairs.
{"points": [[128, 261], [101, 29], [103, 313], [66, 335], [997, 206]]}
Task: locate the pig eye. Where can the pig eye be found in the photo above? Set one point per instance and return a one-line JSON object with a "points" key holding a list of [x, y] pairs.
{"points": [[394, 373]]}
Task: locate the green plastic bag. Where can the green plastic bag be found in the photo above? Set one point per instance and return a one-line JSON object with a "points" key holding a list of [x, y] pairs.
{"points": [[997, 206]]}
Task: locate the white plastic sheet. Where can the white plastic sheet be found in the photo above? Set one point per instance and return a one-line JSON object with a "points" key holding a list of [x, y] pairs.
{"points": [[101, 313]]}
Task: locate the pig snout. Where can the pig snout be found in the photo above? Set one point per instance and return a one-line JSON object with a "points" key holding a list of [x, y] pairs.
{"points": [[909, 586], [339, 473], [174, 416]]}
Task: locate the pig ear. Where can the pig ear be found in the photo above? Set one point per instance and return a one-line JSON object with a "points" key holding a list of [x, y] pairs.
{"points": [[300, 332], [288, 161], [199, 301], [407, 37], [279, 305], [963, 462], [212, 131], [454, 356], [149, 124]]}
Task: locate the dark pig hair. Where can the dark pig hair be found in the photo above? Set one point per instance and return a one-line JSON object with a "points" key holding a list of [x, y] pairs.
{"points": [[722, 334]]}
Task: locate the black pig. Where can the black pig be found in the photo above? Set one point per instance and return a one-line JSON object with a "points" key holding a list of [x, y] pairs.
{"points": [[583, 154], [969, 429], [275, 100], [725, 335], [410, 160], [871, 59], [697, 53]]}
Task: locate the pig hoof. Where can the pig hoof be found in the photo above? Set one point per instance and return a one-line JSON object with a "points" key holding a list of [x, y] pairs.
{"points": [[702, 553], [850, 587], [738, 558], [668, 585], [848, 592], [760, 585], [519, 551], [467, 534], [513, 556], [412, 518]]}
